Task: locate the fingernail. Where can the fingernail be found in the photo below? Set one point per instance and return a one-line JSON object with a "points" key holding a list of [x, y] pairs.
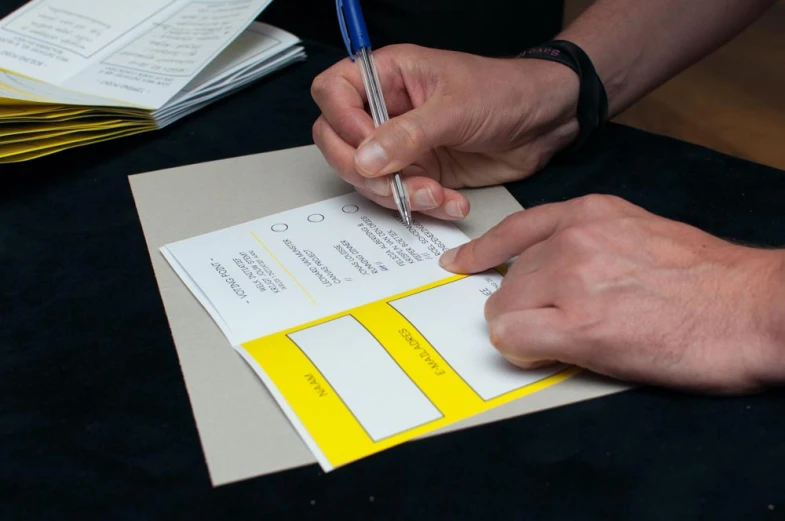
{"points": [[371, 157], [447, 258], [453, 209], [378, 186], [423, 198]]}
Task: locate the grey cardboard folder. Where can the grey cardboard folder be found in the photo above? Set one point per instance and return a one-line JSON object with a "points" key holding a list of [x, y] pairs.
{"points": [[242, 430]]}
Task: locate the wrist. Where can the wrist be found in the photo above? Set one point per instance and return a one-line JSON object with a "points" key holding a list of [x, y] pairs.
{"points": [[772, 362], [592, 103], [612, 66], [551, 91]]}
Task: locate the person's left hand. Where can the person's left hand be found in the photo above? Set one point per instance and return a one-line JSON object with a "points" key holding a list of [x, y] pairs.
{"points": [[605, 285]]}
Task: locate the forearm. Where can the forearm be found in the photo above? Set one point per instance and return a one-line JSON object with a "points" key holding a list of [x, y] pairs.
{"points": [[636, 45]]}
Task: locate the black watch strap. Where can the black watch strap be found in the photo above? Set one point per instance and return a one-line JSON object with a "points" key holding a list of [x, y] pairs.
{"points": [[592, 110]]}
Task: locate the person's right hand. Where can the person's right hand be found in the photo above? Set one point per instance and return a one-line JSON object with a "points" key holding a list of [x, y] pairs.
{"points": [[457, 120]]}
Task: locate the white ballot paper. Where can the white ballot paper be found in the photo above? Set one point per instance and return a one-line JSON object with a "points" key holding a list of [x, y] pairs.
{"points": [[345, 314]]}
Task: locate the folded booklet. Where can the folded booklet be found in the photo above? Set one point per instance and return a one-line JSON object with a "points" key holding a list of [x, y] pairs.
{"points": [[345, 314], [76, 72]]}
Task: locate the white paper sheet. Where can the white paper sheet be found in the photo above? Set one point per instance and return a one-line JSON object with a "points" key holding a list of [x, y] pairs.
{"points": [[310, 262], [140, 53]]}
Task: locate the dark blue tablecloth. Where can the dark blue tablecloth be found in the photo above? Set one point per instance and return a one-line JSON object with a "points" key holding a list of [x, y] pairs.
{"points": [[95, 420]]}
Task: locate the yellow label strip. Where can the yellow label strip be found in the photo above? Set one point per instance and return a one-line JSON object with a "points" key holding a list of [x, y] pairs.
{"points": [[335, 429]]}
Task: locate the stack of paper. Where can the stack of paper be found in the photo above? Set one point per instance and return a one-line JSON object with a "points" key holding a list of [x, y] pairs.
{"points": [[76, 72]]}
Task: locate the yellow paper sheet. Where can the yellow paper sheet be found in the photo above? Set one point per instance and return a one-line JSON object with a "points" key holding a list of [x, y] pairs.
{"points": [[11, 130], [41, 111], [75, 118], [26, 151]]}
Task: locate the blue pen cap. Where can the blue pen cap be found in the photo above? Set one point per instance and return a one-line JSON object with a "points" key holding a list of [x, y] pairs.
{"points": [[352, 23]]}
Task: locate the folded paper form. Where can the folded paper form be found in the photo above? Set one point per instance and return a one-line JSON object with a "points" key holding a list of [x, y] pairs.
{"points": [[243, 430], [76, 72], [346, 316]]}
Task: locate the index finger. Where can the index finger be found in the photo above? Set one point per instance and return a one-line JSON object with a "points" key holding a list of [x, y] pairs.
{"points": [[340, 95], [509, 238]]}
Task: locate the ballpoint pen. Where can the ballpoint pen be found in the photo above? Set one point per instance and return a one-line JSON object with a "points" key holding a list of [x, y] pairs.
{"points": [[355, 36]]}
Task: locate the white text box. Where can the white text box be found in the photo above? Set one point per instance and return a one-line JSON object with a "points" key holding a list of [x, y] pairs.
{"points": [[369, 381], [450, 318]]}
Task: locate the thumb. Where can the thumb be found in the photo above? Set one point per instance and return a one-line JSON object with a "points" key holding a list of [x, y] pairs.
{"points": [[533, 338], [402, 140]]}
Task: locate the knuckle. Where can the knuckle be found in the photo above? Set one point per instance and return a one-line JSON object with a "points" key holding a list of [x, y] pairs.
{"points": [[598, 204], [573, 237], [498, 336], [321, 85], [317, 85], [585, 277], [343, 125], [506, 226], [581, 275], [498, 233], [403, 49], [316, 131], [409, 131], [467, 254], [493, 306]]}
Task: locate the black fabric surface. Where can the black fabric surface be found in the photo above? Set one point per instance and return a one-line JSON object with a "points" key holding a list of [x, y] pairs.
{"points": [[95, 422], [489, 27]]}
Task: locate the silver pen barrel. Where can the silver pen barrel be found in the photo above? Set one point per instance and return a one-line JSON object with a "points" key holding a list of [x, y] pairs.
{"points": [[379, 114]]}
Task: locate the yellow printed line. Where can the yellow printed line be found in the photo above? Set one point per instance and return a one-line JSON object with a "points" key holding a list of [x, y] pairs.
{"points": [[284, 268]]}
